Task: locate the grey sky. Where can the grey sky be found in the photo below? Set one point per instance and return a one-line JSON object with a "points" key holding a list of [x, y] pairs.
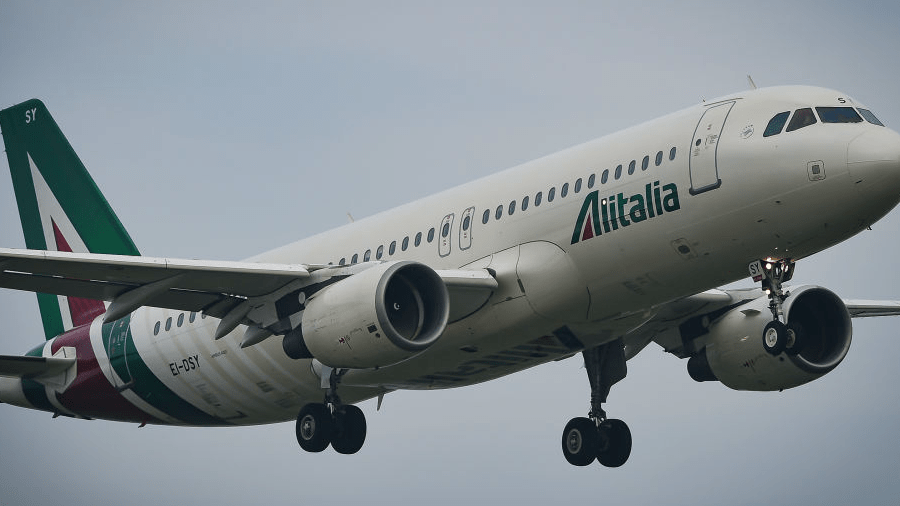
{"points": [[218, 130]]}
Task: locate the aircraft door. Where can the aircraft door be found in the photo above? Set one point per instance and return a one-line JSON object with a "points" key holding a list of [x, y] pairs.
{"points": [[446, 237], [703, 169], [465, 229]]}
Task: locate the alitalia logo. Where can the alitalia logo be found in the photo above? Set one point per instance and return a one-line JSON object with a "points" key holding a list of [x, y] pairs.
{"points": [[604, 215]]}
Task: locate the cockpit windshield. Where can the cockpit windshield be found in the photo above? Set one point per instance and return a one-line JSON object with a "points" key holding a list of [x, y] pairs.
{"points": [[838, 115], [870, 117], [802, 117], [805, 117]]}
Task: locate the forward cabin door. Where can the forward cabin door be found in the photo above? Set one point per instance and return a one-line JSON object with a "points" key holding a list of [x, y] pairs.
{"points": [[703, 168]]}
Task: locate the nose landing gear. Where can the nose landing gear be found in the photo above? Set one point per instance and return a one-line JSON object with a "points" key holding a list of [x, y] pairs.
{"points": [[778, 336]]}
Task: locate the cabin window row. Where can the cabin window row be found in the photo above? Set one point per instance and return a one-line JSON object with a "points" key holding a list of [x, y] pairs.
{"points": [[392, 247], [178, 322], [616, 173]]}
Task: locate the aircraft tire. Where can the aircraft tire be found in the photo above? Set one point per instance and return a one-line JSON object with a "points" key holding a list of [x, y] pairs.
{"points": [[314, 427], [579, 441], [614, 443], [775, 337], [350, 430]]}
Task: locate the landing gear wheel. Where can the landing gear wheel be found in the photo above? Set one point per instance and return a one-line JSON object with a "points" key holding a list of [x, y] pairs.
{"points": [[794, 340], [314, 427], [614, 443], [775, 337], [350, 430], [579, 441]]}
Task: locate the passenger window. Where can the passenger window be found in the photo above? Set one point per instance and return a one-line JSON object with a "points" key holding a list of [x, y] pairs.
{"points": [[870, 117], [591, 181], [604, 177], [672, 153], [379, 252], [393, 248], [156, 329], [631, 167], [367, 256], [645, 162], [168, 323], [551, 194], [577, 185], [537, 199], [659, 156], [405, 244], [354, 259], [343, 261], [564, 191], [838, 115], [181, 319], [618, 172], [486, 216], [430, 235], [418, 239], [499, 212], [512, 207], [776, 124], [802, 117], [192, 317], [525, 202]]}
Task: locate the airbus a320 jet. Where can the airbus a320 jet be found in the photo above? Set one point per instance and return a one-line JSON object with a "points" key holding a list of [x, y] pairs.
{"points": [[597, 250]]}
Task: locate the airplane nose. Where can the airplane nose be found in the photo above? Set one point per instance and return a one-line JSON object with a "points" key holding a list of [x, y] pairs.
{"points": [[873, 160]]}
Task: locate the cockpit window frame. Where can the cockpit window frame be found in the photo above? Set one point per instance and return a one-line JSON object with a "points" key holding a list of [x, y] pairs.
{"points": [[801, 118], [842, 114], [776, 124]]}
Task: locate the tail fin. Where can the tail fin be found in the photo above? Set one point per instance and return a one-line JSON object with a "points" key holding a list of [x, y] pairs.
{"points": [[60, 206]]}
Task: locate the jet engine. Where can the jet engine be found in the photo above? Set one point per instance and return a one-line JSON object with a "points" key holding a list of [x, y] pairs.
{"points": [[734, 354], [377, 317]]}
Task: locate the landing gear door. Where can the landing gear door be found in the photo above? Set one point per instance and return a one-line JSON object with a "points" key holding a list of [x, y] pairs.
{"points": [[704, 151], [446, 237], [465, 229]]}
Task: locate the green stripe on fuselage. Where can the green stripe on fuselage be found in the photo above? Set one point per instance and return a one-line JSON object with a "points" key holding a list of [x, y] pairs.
{"points": [[128, 364]]}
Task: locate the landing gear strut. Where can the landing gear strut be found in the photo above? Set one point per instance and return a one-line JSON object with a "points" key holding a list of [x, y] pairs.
{"points": [[332, 422], [598, 437], [777, 336]]}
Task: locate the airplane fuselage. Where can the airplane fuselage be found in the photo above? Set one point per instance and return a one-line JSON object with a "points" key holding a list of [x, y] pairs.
{"points": [[585, 244]]}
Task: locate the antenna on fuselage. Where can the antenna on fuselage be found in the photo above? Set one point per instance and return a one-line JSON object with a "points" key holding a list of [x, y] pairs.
{"points": [[750, 80], [351, 217]]}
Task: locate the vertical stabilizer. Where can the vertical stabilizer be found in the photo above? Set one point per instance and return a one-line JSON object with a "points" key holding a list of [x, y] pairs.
{"points": [[60, 206]]}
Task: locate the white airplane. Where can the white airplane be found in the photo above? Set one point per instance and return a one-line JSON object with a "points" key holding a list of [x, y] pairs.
{"points": [[600, 249]]}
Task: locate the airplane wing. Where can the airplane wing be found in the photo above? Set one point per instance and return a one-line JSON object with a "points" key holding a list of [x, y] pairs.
{"points": [[214, 287], [867, 308]]}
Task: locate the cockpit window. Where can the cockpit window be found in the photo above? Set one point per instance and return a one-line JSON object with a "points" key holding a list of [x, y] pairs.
{"points": [[776, 124], [870, 117], [838, 115], [802, 117]]}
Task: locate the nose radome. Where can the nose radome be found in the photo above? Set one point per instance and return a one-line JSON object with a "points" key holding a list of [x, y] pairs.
{"points": [[873, 161], [875, 145]]}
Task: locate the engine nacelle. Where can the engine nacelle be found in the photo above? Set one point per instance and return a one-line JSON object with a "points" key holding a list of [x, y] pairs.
{"points": [[735, 355], [378, 317]]}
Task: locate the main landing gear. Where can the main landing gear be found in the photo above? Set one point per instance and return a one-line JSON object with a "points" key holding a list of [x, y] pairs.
{"points": [[777, 335], [597, 437], [341, 426]]}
